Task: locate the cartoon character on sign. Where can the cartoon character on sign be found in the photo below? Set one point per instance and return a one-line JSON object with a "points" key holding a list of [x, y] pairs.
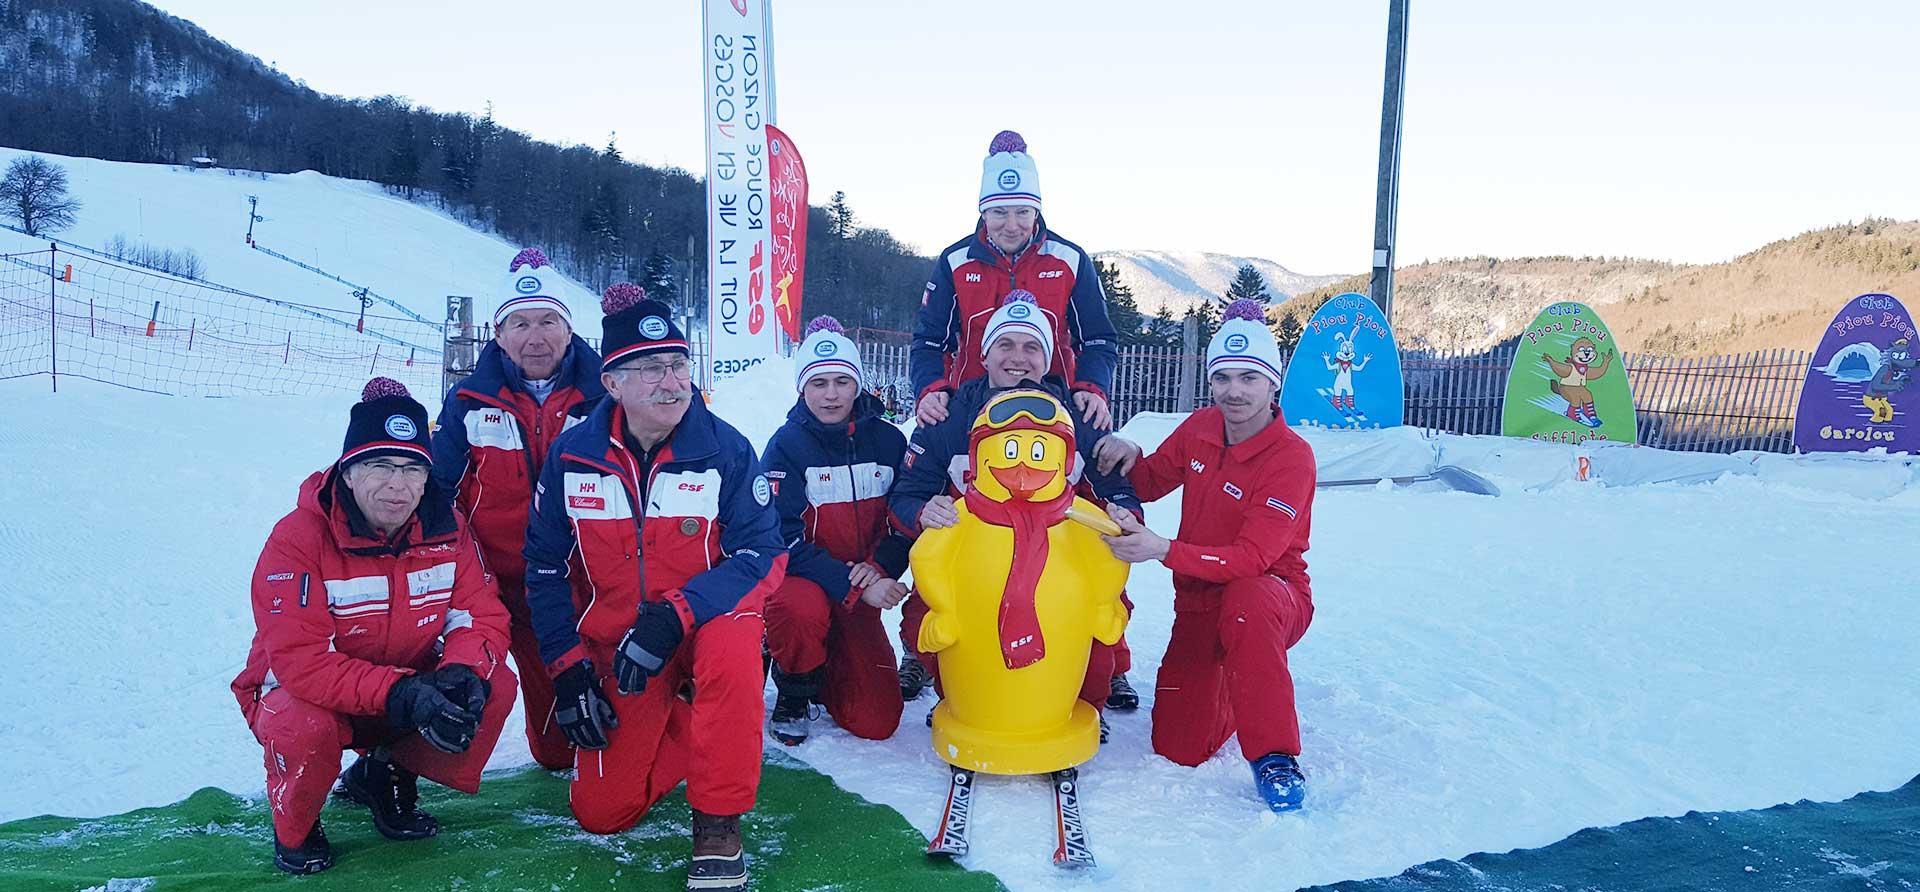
{"points": [[1342, 365], [1575, 374], [1893, 375]]}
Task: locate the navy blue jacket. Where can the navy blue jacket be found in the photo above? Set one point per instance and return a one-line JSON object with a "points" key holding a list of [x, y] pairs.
{"points": [[705, 533], [830, 485]]}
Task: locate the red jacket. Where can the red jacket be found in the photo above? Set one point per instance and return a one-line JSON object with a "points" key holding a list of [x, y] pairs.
{"points": [[1245, 509], [340, 614], [969, 280], [492, 441]]}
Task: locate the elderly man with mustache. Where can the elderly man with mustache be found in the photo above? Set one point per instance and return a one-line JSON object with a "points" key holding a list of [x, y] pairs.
{"points": [[654, 517]]}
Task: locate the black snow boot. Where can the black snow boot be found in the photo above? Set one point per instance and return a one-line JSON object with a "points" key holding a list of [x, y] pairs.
{"points": [[792, 706], [719, 859], [312, 855], [913, 677], [391, 793], [1121, 696]]}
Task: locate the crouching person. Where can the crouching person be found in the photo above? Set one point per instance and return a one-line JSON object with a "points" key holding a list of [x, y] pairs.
{"points": [[831, 466], [664, 509], [377, 628]]}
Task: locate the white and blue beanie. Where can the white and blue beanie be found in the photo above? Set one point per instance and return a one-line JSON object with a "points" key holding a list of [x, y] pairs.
{"points": [[1008, 177], [1019, 312], [826, 350], [1243, 342], [532, 284]]}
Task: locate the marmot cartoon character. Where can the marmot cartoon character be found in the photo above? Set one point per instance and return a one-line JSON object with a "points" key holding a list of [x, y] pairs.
{"points": [[1893, 375], [1575, 373], [1342, 365]]}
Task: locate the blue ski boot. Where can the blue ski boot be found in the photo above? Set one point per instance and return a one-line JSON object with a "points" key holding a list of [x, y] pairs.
{"points": [[1277, 776]]}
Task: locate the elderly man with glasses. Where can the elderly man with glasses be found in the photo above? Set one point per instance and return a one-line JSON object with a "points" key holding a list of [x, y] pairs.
{"points": [[378, 628], [664, 511]]}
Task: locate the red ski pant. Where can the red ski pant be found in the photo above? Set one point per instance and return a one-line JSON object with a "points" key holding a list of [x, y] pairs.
{"points": [[807, 630], [1103, 662], [1226, 671], [544, 738], [712, 742], [303, 743]]}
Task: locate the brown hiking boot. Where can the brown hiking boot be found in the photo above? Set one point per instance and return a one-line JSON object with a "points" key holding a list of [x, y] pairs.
{"points": [[719, 860]]}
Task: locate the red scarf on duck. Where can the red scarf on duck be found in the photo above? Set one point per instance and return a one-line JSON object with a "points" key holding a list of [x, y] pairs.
{"points": [[1021, 643]]}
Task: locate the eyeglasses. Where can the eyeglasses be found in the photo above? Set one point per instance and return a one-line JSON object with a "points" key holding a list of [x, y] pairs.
{"points": [[656, 372], [382, 471]]}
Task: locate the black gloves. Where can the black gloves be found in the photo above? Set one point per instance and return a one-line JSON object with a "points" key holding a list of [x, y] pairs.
{"points": [[417, 701], [647, 647], [584, 713], [459, 684]]}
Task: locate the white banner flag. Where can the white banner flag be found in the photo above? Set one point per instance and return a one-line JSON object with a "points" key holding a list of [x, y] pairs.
{"points": [[740, 321]]}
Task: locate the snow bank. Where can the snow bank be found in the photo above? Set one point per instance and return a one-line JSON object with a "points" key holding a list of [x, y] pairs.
{"points": [[1482, 673]]}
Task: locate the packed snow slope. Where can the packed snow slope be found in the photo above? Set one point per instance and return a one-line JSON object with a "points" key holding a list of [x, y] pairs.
{"points": [[1482, 673], [351, 228]]}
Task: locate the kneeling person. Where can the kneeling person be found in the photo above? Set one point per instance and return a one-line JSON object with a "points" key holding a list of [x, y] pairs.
{"points": [[377, 628], [1241, 595], [831, 466], [663, 507]]}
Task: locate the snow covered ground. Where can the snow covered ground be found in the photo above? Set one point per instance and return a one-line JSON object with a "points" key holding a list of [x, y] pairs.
{"points": [[1482, 673]]}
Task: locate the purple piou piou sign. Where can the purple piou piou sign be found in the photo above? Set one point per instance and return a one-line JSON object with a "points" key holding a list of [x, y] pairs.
{"points": [[1862, 390]]}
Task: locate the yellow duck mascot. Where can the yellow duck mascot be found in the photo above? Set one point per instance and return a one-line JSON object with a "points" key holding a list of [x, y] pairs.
{"points": [[1016, 595]]}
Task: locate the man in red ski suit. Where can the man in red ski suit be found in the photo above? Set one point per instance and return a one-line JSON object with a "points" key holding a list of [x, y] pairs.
{"points": [[654, 514], [495, 428], [1011, 249], [831, 466], [377, 627], [936, 465], [1241, 592]]}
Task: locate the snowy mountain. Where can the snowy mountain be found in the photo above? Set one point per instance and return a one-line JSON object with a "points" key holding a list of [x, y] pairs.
{"points": [[353, 229], [1181, 279]]}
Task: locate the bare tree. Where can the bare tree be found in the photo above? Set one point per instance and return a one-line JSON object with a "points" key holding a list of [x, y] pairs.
{"points": [[34, 192]]}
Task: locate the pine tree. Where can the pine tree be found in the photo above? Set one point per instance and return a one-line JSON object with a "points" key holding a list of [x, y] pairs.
{"points": [[840, 221], [1287, 331], [1163, 329], [1122, 311], [657, 277], [612, 151], [1208, 316], [1248, 283]]}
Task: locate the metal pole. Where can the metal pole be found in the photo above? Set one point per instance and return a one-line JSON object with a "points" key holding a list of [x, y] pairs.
{"points": [[766, 27], [1387, 201], [53, 316]]}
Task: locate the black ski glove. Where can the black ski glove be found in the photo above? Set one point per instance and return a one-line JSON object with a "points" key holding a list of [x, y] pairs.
{"points": [[414, 702], [583, 711], [647, 647], [460, 684]]}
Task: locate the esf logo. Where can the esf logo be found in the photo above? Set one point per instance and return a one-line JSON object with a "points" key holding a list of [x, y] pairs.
{"points": [[400, 427], [1052, 274], [1019, 311], [653, 327], [1009, 179], [824, 348], [527, 285], [1237, 343]]}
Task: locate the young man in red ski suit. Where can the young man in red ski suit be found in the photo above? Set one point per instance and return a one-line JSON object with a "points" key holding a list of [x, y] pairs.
{"points": [[654, 514], [934, 471], [1012, 249], [1241, 593], [377, 627], [831, 466], [495, 428]]}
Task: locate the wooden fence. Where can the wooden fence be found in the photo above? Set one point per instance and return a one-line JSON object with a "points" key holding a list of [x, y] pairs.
{"points": [[1694, 404]]}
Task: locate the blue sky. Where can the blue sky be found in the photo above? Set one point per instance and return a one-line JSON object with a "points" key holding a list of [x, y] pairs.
{"points": [[1691, 130]]}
